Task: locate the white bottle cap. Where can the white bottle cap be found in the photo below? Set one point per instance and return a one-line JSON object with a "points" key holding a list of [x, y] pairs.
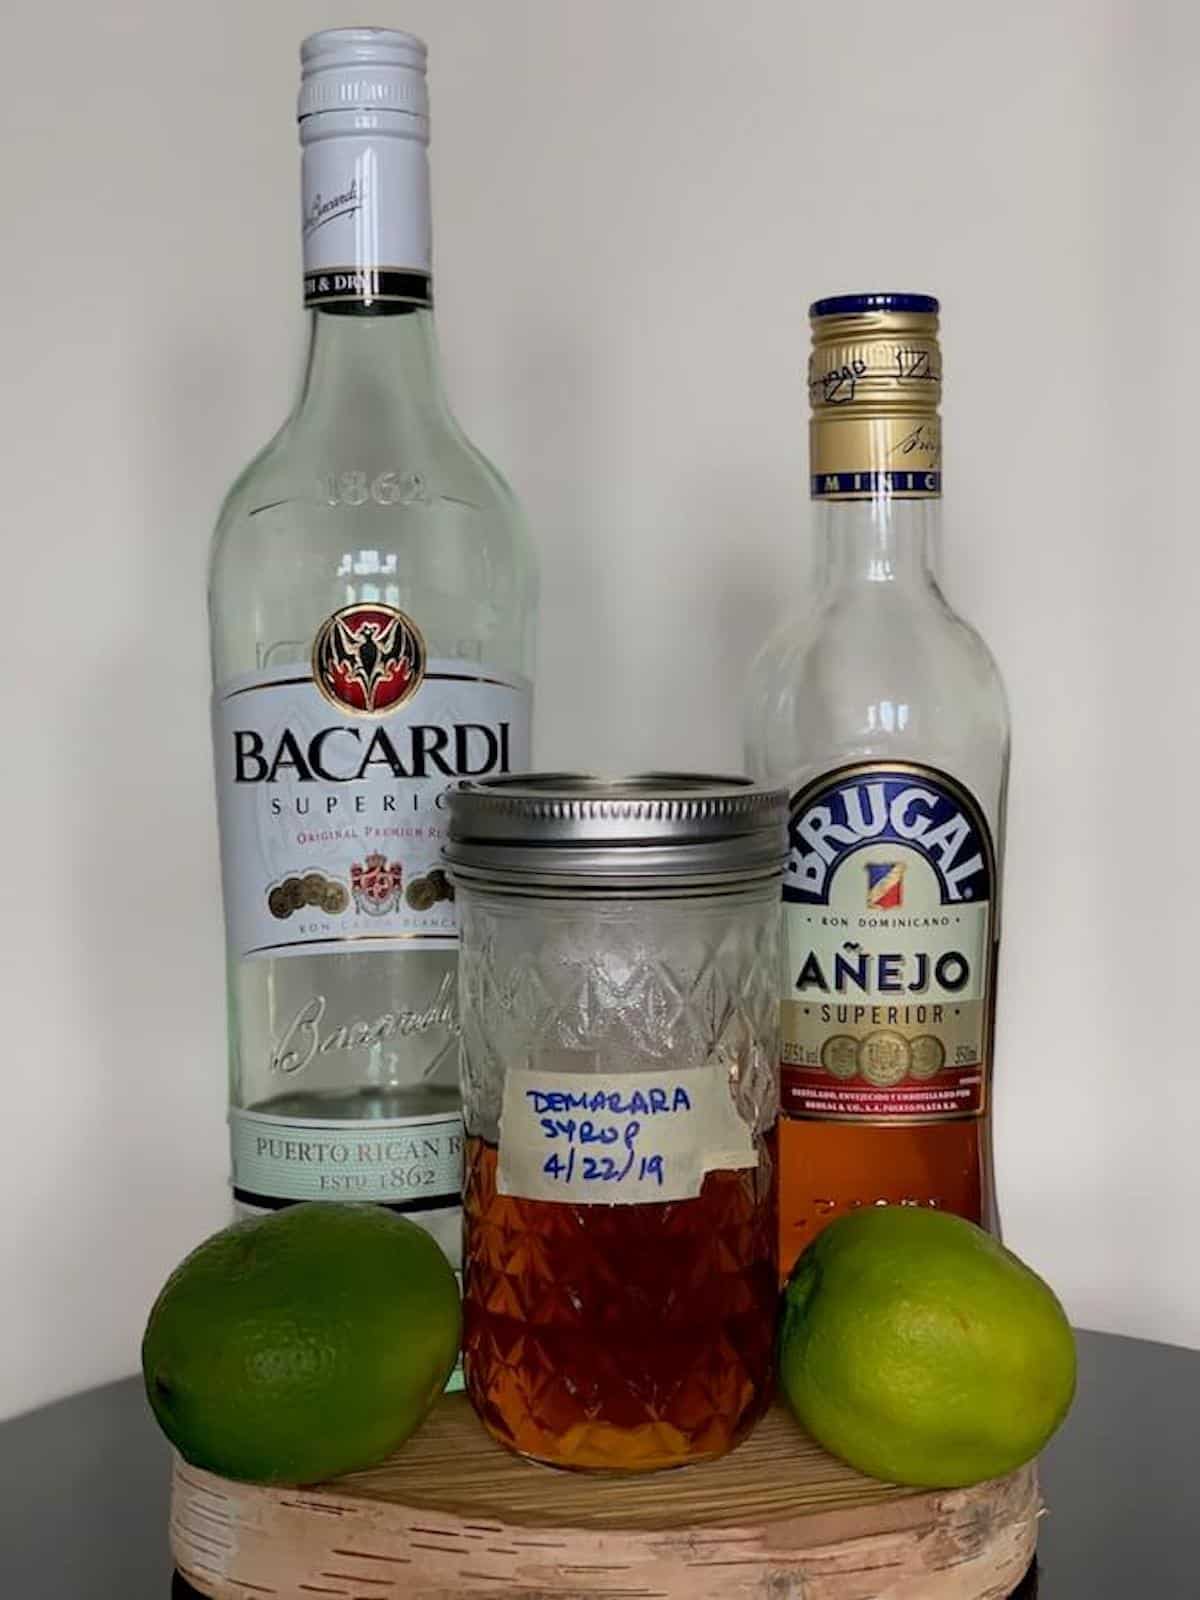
{"points": [[365, 69]]}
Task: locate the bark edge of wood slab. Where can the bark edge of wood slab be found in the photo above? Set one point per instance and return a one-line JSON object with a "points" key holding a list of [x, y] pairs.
{"points": [[452, 1515]]}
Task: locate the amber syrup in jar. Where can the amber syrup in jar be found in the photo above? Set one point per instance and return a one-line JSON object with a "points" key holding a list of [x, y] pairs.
{"points": [[624, 1338], [618, 985]]}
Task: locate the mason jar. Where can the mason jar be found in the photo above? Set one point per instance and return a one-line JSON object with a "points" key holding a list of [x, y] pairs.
{"points": [[618, 988]]}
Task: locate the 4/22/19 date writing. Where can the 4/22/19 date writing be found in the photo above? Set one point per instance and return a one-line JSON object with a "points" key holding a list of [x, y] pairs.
{"points": [[600, 1167]]}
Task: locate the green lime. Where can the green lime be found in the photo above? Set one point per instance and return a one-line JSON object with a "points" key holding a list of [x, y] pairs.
{"points": [[305, 1344], [920, 1350]]}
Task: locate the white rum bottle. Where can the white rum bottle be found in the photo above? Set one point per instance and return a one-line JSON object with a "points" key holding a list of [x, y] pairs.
{"points": [[883, 713], [372, 600]]}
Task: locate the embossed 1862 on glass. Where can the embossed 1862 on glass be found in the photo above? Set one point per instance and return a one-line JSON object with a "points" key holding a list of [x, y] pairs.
{"points": [[883, 713], [371, 602]]}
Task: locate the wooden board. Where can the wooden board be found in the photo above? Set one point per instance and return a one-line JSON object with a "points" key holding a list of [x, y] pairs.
{"points": [[454, 1515]]}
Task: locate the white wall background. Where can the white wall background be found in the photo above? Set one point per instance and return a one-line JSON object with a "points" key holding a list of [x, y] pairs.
{"points": [[635, 200]]}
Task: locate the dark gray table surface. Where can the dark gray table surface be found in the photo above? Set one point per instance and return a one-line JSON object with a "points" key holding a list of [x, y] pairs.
{"points": [[83, 1489]]}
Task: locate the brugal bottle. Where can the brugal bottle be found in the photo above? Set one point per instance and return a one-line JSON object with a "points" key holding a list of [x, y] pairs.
{"points": [[371, 602], [884, 715]]}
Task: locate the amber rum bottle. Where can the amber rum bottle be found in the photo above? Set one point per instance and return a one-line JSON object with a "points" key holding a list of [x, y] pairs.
{"points": [[883, 713]]}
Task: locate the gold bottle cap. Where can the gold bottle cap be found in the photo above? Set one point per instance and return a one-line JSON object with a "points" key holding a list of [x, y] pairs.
{"points": [[875, 384]]}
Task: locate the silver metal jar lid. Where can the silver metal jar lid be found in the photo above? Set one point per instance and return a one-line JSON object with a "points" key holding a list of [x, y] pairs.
{"points": [[567, 831]]}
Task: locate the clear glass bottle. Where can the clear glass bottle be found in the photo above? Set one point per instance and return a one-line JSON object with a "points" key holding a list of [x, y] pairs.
{"points": [[372, 594], [883, 713]]}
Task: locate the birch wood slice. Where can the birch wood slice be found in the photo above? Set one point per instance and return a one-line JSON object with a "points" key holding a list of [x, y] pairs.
{"points": [[453, 1515]]}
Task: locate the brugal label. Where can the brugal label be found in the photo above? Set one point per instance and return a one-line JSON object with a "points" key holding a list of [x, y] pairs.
{"points": [[874, 384], [890, 945], [619, 1138]]}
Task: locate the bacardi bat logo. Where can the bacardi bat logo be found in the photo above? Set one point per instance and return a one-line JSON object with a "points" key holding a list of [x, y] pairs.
{"points": [[368, 659]]}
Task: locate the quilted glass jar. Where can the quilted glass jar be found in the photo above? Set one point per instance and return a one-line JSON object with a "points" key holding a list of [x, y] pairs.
{"points": [[618, 987]]}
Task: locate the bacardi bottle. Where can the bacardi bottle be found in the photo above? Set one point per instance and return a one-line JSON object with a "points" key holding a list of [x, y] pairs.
{"points": [[883, 713], [372, 601]]}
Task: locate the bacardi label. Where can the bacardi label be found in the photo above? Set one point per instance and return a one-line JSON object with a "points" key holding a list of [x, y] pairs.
{"points": [[413, 1164], [331, 783], [890, 928]]}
